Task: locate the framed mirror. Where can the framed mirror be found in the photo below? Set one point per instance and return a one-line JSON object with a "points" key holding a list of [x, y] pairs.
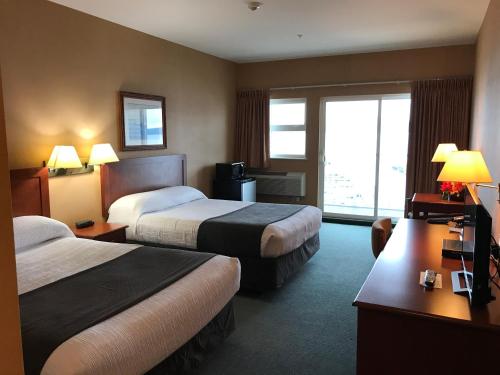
{"points": [[143, 121]]}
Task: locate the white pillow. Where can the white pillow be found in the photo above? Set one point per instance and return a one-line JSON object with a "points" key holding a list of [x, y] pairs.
{"points": [[130, 208], [33, 230]]}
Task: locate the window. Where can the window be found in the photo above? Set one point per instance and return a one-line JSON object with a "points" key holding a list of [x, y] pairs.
{"points": [[288, 128], [363, 153]]}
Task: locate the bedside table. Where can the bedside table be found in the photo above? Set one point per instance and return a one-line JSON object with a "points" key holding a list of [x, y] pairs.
{"points": [[102, 232]]}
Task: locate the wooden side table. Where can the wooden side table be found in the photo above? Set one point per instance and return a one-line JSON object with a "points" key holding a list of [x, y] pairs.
{"points": [[102, 232], [423, 203]]}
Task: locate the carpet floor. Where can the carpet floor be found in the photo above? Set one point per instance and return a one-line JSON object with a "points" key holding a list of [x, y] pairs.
{"points": [[309, 325]]}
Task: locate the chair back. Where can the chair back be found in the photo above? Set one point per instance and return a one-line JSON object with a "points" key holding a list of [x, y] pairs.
{"points": [[381, 231]]}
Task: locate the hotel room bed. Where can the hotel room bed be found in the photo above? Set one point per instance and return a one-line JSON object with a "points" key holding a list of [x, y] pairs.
{"points": [[161, 333], [187, 208], [272, 241]]}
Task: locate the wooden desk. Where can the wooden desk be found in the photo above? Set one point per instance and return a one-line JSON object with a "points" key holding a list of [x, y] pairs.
{"points": [[405, 329], [425, 203]]}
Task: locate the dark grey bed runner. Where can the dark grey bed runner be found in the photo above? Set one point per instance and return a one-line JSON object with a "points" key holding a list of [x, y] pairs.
{"points": [[239, 233], [55, 312]]}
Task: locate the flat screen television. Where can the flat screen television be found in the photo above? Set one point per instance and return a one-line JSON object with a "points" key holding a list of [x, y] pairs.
{"points": [[475, 275]]}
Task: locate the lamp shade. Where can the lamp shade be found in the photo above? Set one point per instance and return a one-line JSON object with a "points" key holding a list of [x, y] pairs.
{"points": [[466, 167], [102, 153], [442, 152], [64, 157]]}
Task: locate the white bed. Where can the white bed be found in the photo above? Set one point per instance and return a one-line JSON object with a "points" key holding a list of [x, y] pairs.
{"points": [[137, 339], [172, 216]]}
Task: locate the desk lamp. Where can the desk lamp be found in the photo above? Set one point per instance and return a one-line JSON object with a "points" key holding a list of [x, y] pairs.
{"points": [[469, 168]]}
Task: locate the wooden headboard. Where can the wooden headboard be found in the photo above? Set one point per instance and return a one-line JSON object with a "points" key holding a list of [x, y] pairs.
{"points": [[30, 191], [129, 176]]}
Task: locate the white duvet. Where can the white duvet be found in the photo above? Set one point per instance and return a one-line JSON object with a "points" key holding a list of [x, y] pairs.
{"points": [[135, 340], [177, 224]]}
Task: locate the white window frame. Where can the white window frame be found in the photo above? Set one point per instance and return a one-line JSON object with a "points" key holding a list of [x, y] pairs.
{"points": [[290, 127], [321, 151]]}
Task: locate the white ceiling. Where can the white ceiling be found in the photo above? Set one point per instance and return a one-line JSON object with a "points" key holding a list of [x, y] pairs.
{"points": [[228, 29]]}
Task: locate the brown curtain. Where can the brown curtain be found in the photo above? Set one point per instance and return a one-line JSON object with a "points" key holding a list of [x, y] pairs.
{"points": [[252, 128], [440, 113]]}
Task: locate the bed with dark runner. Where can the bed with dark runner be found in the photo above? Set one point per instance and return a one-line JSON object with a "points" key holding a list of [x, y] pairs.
{"points": [[239, 233], [58, 311]]}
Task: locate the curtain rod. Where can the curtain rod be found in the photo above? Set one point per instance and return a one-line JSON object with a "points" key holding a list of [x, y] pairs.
{"points": [[347, 84]]}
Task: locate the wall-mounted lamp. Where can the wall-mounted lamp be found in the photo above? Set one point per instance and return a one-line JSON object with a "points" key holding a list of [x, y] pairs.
{"points": [[101, 154], [64, 157], [492, 187], [467, 167], [64, 161]]}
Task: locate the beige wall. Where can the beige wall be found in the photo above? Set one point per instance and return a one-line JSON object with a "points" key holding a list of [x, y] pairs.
{"points": [[62, 73], [369, 67], [10, 343], [486, 120], [63, 69]]}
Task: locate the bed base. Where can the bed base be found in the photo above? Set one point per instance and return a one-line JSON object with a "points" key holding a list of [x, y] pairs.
{"points": [[261, 274], [191, 354]]}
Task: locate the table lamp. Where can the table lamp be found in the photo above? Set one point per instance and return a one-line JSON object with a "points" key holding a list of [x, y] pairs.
{"points": [[101, 154], [442, 152]]}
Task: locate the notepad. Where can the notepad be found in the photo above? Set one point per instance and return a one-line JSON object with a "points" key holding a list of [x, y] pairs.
{"points": [[438, 284]]}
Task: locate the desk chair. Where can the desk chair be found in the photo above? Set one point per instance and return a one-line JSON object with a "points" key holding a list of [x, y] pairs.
{"points": [[381, 231]]}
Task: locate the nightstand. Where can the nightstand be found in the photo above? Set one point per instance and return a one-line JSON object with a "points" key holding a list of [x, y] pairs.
{"points": [[102, 232]]}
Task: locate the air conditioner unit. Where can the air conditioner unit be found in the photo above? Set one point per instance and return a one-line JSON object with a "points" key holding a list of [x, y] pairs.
{"points": [[289, 184]]}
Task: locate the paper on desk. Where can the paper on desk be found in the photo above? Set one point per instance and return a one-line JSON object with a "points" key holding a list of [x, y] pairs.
{"points": [[438, 284]]}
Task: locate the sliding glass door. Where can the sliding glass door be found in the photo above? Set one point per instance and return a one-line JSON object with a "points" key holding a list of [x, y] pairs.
{"points": [[363, 149]]}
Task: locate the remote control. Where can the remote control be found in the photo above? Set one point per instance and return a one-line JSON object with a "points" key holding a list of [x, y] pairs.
{"points": [[84, 223], [429, 278]]}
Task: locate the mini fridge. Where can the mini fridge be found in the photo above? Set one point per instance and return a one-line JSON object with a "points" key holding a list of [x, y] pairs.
{"points": [[241, 189]]}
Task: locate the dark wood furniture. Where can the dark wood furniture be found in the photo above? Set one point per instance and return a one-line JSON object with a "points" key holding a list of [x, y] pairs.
{"points": [[423, 203], [130, 176], [102, 232], [30, 191], [405, 329]]}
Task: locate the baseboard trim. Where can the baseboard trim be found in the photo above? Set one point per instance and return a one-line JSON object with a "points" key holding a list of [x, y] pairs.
{"points": [[364, 223]]}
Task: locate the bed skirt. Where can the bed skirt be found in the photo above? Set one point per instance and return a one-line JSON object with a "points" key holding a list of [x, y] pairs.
{"points": [[260, 274], [191, 354]]}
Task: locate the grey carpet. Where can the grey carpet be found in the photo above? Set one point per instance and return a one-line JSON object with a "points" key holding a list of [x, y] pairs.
{"points": [[309, 325]]}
